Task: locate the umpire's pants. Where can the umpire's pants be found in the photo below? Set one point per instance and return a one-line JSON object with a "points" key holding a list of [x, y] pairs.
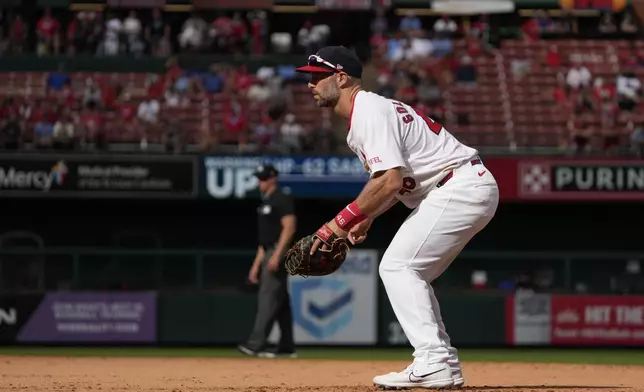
{"points": [[273, 304]]}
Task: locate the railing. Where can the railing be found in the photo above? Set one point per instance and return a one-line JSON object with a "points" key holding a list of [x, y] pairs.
{"points": [[50, 269]]}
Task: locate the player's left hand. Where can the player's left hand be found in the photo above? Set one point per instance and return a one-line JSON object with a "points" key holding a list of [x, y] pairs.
{"points": [[318, 244]]}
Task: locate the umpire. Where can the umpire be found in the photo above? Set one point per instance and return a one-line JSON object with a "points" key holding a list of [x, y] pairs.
{"points": [[276, 227]]}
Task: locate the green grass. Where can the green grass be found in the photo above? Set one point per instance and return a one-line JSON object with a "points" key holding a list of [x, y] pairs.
{"points": [[614, 357]]}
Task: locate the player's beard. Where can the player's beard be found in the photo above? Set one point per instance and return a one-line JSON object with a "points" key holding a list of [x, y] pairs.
{"points": [[329, 95]]}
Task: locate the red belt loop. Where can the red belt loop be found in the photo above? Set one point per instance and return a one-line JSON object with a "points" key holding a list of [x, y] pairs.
{"points": [[473, 162]]}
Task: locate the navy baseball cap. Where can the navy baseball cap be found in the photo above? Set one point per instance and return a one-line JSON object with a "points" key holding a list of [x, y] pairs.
{"points": [[334, 59], [265, 172]]}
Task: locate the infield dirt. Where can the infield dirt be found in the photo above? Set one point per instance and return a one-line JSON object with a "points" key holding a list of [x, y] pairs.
{"points": [[266, 375]]}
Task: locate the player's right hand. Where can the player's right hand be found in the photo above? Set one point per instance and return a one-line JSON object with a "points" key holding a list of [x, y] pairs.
{"points": [[358, 233]]}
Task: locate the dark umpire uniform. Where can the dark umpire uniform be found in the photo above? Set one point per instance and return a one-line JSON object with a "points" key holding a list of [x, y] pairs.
{"points": [[274, 304]]}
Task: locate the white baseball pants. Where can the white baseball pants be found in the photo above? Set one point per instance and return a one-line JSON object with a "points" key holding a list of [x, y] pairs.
{"points": [[425, 245]]}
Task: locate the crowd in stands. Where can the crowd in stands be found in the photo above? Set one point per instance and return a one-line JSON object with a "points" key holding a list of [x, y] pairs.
{"points": [[445, 67]]}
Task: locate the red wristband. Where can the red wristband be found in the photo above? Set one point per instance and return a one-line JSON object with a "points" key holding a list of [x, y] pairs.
{"points": [[349, 217]]}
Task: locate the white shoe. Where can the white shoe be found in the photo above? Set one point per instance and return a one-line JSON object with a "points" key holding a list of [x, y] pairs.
{"points": [[418, 375], [457, 376]]}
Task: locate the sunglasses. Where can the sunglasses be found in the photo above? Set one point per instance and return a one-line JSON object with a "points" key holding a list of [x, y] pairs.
{"points": [[314, 59]]}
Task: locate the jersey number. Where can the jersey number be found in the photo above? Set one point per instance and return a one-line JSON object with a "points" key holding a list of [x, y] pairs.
{"points": [[407, 118]]}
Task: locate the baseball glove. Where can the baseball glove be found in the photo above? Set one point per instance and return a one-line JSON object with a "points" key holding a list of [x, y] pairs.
{"points": [[298, 260]]}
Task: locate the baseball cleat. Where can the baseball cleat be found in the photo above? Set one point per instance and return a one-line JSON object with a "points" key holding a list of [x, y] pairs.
{"points": [[417, 375], [247, 350], [277, 354], [457, 376]]}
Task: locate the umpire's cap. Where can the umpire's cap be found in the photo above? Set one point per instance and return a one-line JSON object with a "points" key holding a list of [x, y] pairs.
{"points": [[265, 172], [334, 59]]}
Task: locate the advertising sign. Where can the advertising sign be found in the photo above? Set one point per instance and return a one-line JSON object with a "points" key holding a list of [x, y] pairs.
{"points": [[85, 176], [92, 317], [232, 177], [528, 315], [598, 320], [337, 309], [15, 311], [581, 180]]}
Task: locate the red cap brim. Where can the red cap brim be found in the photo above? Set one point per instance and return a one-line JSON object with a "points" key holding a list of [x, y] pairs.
{"points": [[312, 68]]}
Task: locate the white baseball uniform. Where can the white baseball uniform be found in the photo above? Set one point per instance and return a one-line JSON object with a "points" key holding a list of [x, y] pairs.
{"points": [[447, 213]]}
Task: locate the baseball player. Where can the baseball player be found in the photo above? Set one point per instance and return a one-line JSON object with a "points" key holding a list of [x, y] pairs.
{"points": [[416, 161]]}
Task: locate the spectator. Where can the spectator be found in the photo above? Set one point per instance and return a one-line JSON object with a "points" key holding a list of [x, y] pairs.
{"points": [[629, 89], [17, 34], [111, 45], [410, 24], [628, 25], [127, 123], [48, 33], [466, 72], [91, 93], [606, 24], [76, 33], [579, 76], [379, 24], [312, 37], [580, 134], [386, 86], [445, 28], [95, 28], [220, 32], [11, 134], [258, 31], [9, 106], [406, 90], [239, 34], [605, 98], [172, 137], [583, 103], [155, 85], [637, 138], [174, 99], [66, 96], [64, 131], [56, 80], [259, 92], [291, 133], [111, 89], [213, 81], [193, 33], [235, 120], [544, 23], [92, 127], [156, 33], [132, 29], [415, 48], [520, 68], [531, 30], [553, 58], [44, 117], [148, 111], [263, 136], [444, 32]]}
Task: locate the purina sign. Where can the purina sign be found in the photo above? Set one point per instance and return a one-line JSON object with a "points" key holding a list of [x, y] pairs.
{"points": [[581, 180]]}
